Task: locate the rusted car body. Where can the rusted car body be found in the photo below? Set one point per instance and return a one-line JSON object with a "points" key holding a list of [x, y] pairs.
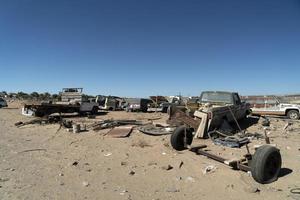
{"points": [[214, 107]]}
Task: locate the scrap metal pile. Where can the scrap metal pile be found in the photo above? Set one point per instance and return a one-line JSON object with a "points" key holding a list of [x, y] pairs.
{"points": [[219, 116]]}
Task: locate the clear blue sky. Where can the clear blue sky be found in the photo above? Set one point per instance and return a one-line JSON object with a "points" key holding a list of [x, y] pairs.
{"points": [[149, 47]]}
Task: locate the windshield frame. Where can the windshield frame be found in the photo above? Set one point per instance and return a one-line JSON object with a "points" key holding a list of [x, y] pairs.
{"points": [[229, 101]]}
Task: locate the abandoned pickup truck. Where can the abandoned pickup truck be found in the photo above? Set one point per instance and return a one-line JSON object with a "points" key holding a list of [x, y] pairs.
{"points": [[215, 110], [271, 105], [71, 102]]}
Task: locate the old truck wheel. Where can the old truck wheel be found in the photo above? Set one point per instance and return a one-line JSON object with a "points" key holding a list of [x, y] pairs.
{"points": [[178, 137], [293, 114], [266, 164]]}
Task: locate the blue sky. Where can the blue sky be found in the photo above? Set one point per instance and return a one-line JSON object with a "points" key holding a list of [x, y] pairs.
{"points": [[149, 47]]}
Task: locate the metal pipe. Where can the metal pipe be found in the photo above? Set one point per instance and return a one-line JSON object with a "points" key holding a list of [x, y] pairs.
{"points": [[212, 156]]}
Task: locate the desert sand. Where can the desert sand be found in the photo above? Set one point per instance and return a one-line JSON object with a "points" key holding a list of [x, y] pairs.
{"points": [[45, 162]]}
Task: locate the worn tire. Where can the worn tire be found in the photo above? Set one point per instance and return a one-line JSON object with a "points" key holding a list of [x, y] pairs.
{"points": [[293, 114], [177, 138], [266, 164]]}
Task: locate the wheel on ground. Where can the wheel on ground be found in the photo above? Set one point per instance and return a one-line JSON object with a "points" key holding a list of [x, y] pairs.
{"points": [[293, 114], [178, 138], [266, 164]]}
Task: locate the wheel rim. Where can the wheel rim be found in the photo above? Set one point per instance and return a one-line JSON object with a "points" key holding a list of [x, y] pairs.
{"points": [[293, 115]]}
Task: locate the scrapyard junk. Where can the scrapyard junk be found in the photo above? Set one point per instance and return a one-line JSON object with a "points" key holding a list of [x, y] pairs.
{"points": [[215, 108], [264, 164], [114, 123], [219, 138], [40, 121], [120, 132], [137, 104], [219, 109], [72, 102], [156, 130], [110, 102]]}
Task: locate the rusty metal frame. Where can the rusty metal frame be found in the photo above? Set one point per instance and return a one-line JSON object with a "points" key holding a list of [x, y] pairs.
{"points": [[241, 164]]}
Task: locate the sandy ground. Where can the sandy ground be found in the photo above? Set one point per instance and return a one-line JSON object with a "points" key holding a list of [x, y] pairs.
{"points": [[90, 165]]}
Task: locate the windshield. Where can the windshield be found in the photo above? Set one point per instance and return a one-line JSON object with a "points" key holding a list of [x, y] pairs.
{"points": [[219, 97]]}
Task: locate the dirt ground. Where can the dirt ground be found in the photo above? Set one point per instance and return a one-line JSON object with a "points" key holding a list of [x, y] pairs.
{"points": [[90, 165]]}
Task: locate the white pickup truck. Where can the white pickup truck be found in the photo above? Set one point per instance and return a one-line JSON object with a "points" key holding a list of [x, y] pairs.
{"points": [[271, 105]]}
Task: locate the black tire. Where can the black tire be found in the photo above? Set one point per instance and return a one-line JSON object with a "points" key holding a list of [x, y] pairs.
{"points": [[177, 138], [266, 164], [293, 114]]}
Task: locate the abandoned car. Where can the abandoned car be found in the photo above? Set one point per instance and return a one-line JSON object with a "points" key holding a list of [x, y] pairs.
{"points": [[137, 104]]}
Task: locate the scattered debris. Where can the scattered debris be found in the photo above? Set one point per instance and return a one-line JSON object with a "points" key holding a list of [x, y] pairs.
{"points": [[265, 122], [252, 189], [131, 173], [168, 167], [220, 138], [180, 164], [209, 169], [29, 150], [75, 163], [156, 130], [114, 123], [107, 154], [120, 132], [123, 192], [295, 191], [124, 163], [85, 183], [76, 128], [287, 125], [40, 121]]}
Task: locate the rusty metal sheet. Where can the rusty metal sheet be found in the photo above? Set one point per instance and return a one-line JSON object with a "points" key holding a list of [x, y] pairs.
{"points": [[180, 116], [120, 131]]}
